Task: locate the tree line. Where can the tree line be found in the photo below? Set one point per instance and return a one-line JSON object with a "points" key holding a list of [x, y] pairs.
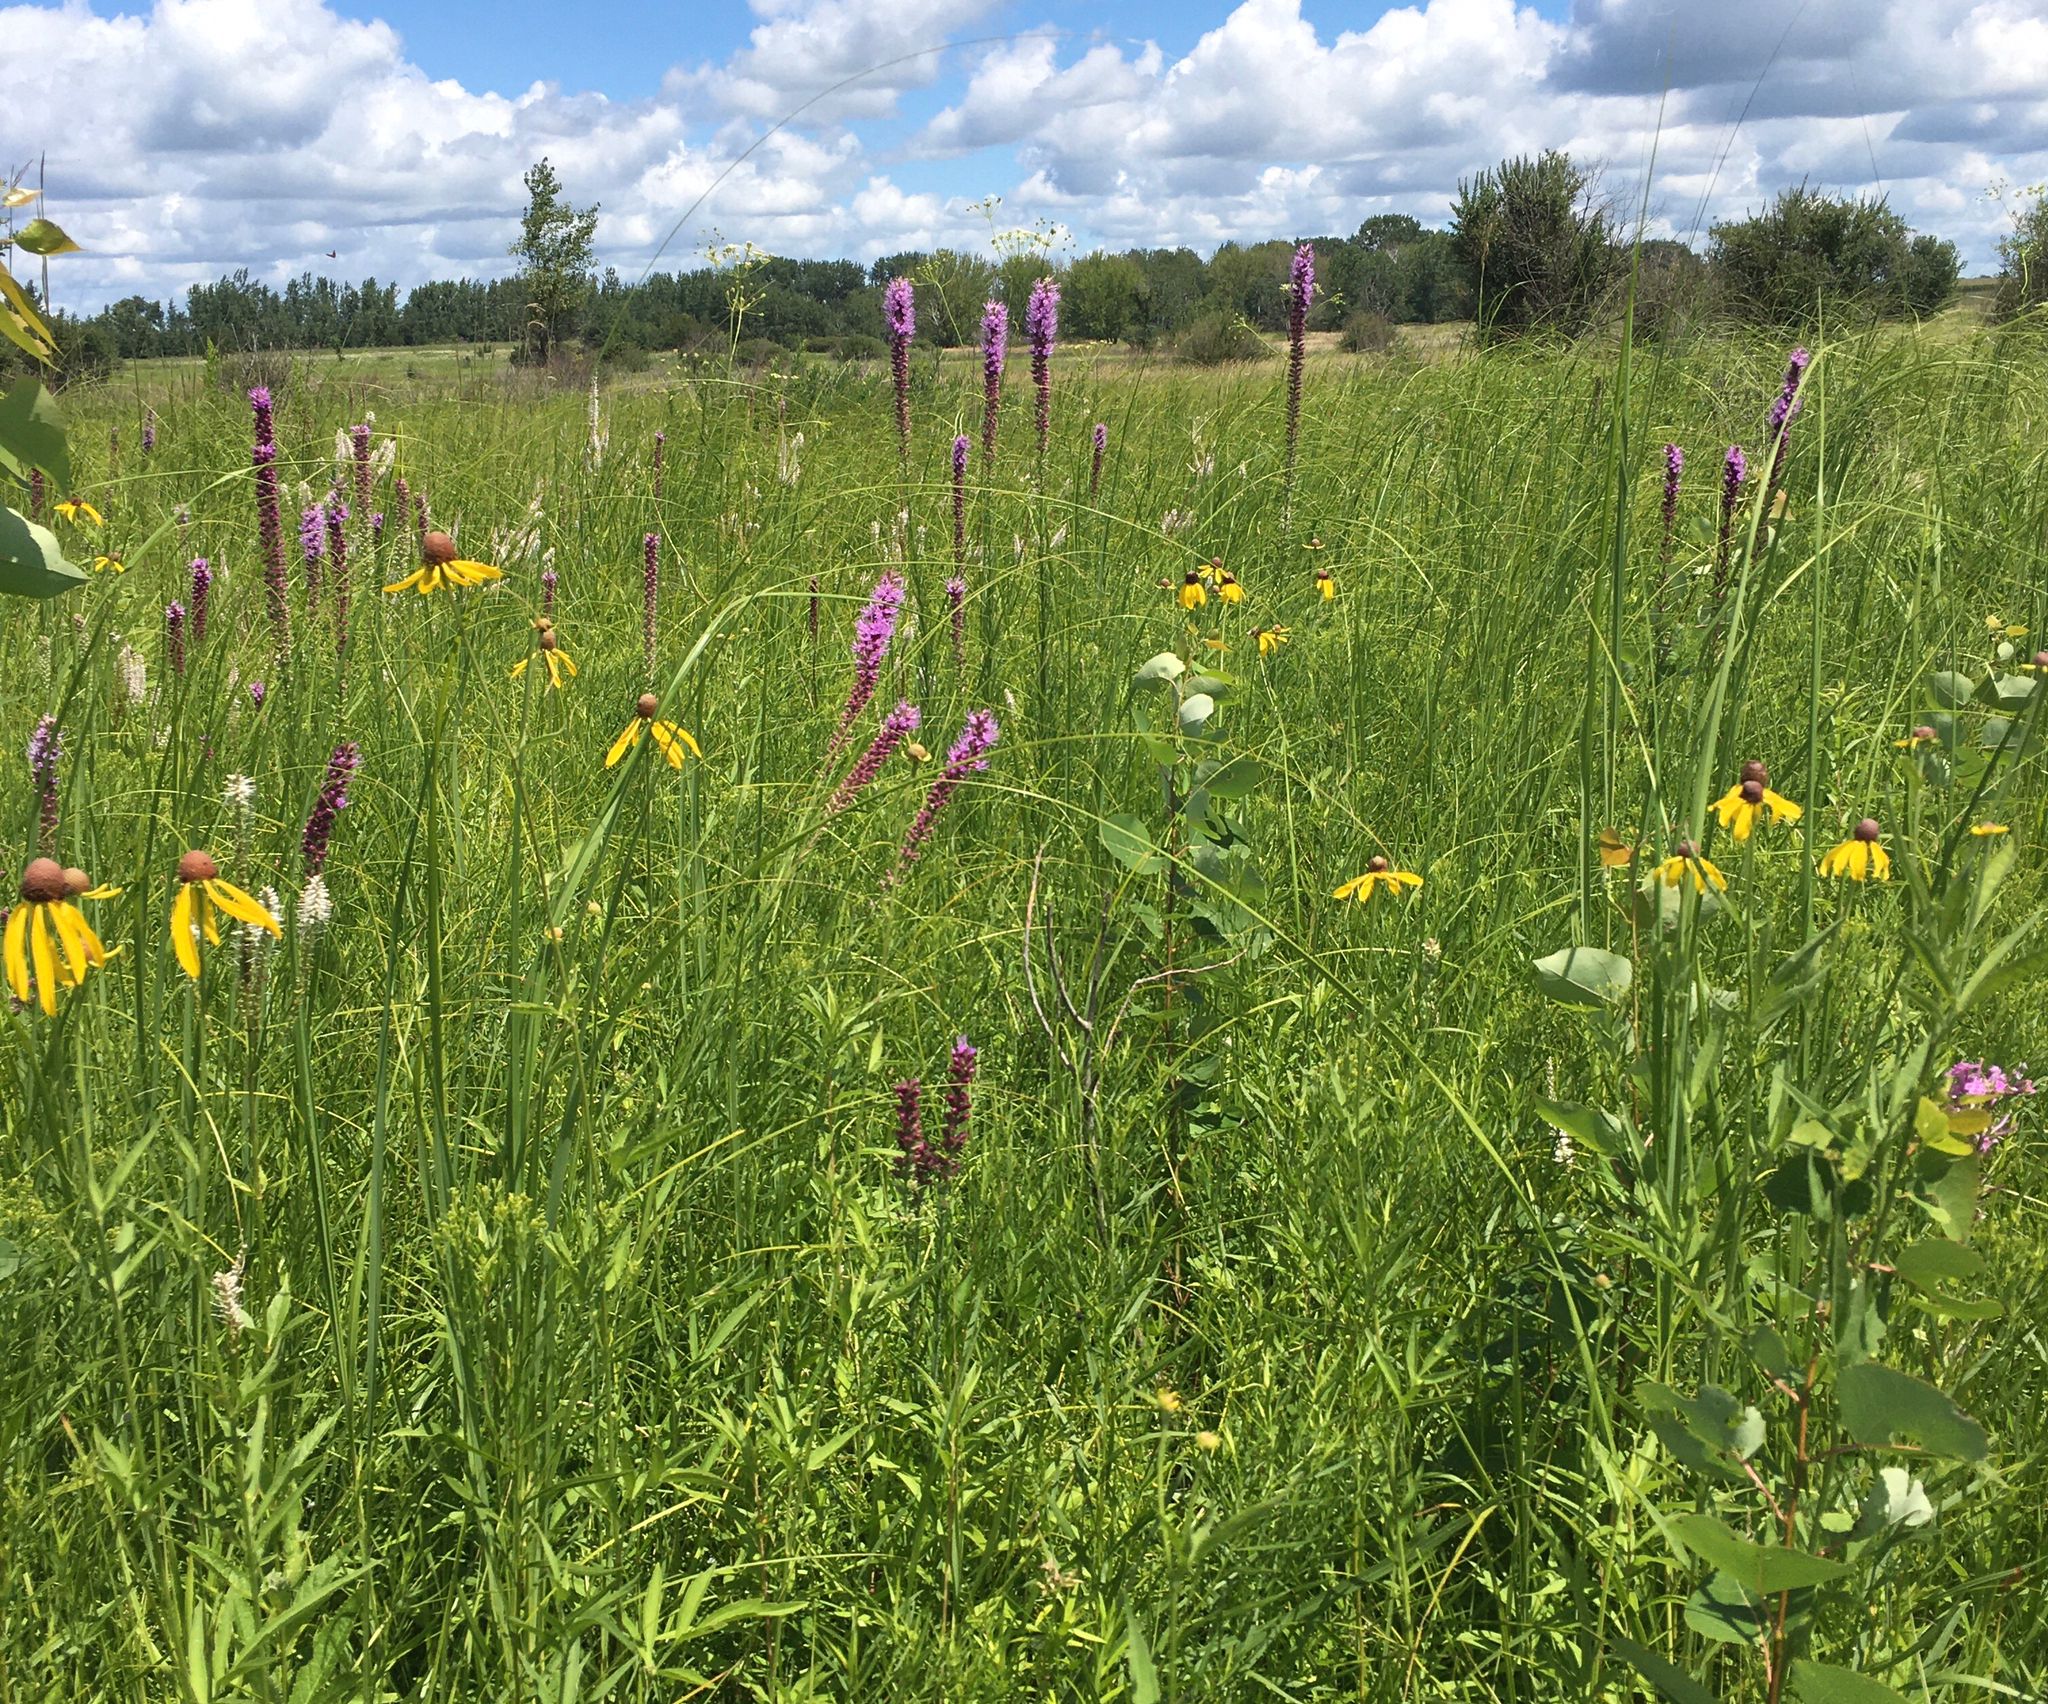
{"points": [[1530, 248]]}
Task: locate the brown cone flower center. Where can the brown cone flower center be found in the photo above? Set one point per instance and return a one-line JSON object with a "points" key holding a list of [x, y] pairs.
{"points": [[1377, 865], [1923, 732], [1685, 849], [42, 882], [76, 881], [437, 547], [197, 866], [1866, 830], [647, 706], [1755, 771], [548, 641], [1752, 792]]}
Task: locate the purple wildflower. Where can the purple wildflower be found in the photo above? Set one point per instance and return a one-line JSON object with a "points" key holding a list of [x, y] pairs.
{"points": [[149, 431], [969, 753], [333, 800], [1100, 448], [1734, 469], [1975, 1086], [270, 524], [960, 448], [256, 693], [1785, 410], [813, 618], [403, 493], [419, 518], [337, 570], [956, 611], [312, 540], [547, 591], [202, 589], [1042, 327], [914, 1156], [897, 727], [174, 636], [1301, 294], [995, 337], [899, 313], [359, 445], [650, 547], [1674, 470], [959, 1096], [873, 632], [45, 747], [376, 529]]}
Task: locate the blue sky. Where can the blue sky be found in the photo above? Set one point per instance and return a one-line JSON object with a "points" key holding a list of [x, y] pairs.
{"points": [[190, 137]]}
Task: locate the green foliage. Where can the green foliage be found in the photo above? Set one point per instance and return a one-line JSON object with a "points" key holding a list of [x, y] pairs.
{"points": [[2023, 259], [1536, 250], [554, 248], [1814, 257], [1218, 339]]}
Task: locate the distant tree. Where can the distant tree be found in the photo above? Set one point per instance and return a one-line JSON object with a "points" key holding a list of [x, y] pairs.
{"points": [[1249, 283], [2023, 260], [555, 247], [1812, 253], [1103, 296], [1536, 249], [1385, 232]]}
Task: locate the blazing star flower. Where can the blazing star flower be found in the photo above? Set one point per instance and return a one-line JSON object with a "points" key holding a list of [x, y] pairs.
{"points": [[897, 727], [1686, 863], [549, 649], [76, 509], [1301, 293], [899, 314], [873, 632], [1786, 410], [48, 939], [174, 635], [1674, 470], [650, 603], [202, 587], [670, 740], [960, 449], [1750, 799], [1099, 446], [960, 1069], [995, 337], [149, 431], [1859, 858], [969, 753], [956, 613], [333, 800], [45, 747], [1041, 326], [1379, 873], [203, 897], [1270, 639], [1193, 594], [270, 523], [442, 567], [1734, 469]]}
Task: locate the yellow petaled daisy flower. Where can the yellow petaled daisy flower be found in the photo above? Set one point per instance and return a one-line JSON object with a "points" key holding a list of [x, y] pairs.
{"points": [[78, 509], [1314, 542], [440, 566], [1860, 858], [1616, 848], [1749, 799], [670, 740], [1227, 587], [48, 940], [1270, 639], [202, 897], [2038, 663], [1193, 594], [1920, 736], [1685, 860], [102, 564], [1984, 830], [1326, 587], [1378, 874], [1212, 570], [1999, 628], [559, 665]]}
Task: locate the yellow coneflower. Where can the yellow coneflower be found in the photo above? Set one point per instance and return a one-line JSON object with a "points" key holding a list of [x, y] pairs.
{"points": [[440, 566], [1219, 646], [1325, 586], [1749, 799], [1860, 858], [1685, 860], [1999, 628], [1270, 639], [77, 508], [104, 564], [1313, 542], [1616, 849], [47, 935], [1227, 587], [1984, 830], [1193, 594], [560, 666], [202, 897], [1920, 736], [670, 740], [1379, 873]]}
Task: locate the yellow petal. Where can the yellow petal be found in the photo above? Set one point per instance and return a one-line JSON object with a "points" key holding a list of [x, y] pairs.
{"points": [[1880, 863], [519, 668], [209, 917], [183, 942], [665, 740], [682, 734], [625, 742], [16, 953], [415, 578], [1406, 878], [105, 891], [45, 956], [61, 916], [243, 907]]}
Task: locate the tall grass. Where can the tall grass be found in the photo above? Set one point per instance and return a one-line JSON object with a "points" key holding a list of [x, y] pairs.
{"points": [[1265, 1344]]}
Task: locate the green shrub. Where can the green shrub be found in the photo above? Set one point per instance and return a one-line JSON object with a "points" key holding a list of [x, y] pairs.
{"points": [[1368, 333], [1215, 339]]}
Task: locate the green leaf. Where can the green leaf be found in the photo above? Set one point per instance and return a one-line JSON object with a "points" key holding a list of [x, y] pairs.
{"points": [[1710, 1427], [1138, 1659], [32, 433], [1229, 778], [32, 562], [1761, 1570], [1951, 1192], [1824, 1683], [1164, 667], [1597, 1129], [39, 236], [1936, 1263], [1881, 1405], [1125, 839], [1895, 1499], [1667, 1677], [1950, 689], [2006, 692], [1195, 710], [1584, 976], [1769, 1350], [1721, 1611]]}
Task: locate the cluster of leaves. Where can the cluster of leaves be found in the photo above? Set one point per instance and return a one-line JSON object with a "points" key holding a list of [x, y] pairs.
{"points": [[32, 563]]}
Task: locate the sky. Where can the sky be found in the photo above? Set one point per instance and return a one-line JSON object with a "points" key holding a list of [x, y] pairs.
{"points": [[192, 137]]}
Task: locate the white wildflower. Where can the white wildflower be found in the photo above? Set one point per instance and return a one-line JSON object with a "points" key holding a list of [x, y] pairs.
{"points": [[1059, 538], [134, 672], [227, 1297], [239, 795], [789, 467], [1563, 1153], [316, 908]]}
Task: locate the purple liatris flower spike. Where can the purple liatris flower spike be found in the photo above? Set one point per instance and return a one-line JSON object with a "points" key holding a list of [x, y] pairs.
{"points": [[899, 314], [337, 570], [35, 494], [959, 1095], [256, 693], [1099, 449], [913, 1154], [419, 518], [960, 449], [1301, 295], [359, 451], [969, 753], [956, 614], [1674, 470], [547, 591], [1785, 410], [312, 541], [376, 529], [812, 619], [403, 493], [660, 461], [45, 747], [1042, 328], [174, 636], [270, 524], [149, 431], [1734, 469], [897, 727], [873, 631], [995, 339], [650, 547], [202, 589], [333, 800]]}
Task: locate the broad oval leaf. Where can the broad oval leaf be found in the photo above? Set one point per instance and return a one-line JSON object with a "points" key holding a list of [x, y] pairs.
{"points": [[1124, 838], [1881, 1405], [1165, 666], [1759, 1569], [1950, 689], [32, 562], [39, 236], [1195, 711], [1584, 976], [1824, 1683]]}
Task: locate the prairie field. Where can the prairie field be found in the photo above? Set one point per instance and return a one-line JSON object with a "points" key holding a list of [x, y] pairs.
{"points": [[911, 1183]]}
